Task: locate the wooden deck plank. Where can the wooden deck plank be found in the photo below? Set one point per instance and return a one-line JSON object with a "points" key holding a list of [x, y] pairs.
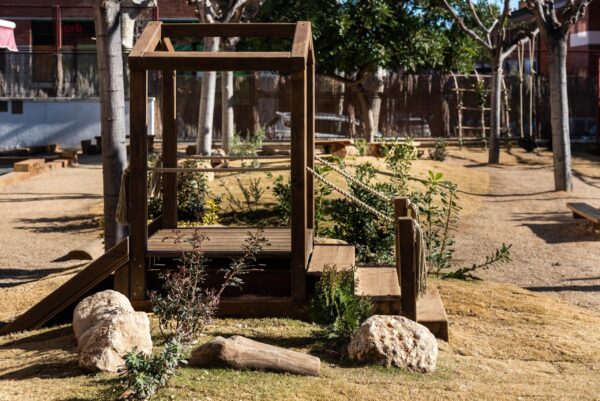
{"points": [[342, 256], [220, 241]]}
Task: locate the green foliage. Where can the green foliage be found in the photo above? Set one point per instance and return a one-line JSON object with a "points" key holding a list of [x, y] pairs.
{"points": [[439, 216], [439, 151], [146, 374], [373, 237], [498, 257], [336, 307], [184, 308], [398, 158], [282, 189], [192, 189], [248, 147], [362, 146], [211, 212]]}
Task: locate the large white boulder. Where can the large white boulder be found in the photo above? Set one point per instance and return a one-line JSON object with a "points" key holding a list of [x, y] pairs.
{"points": [[106, 328], [394, 341], [112, 339], [94, 309]]}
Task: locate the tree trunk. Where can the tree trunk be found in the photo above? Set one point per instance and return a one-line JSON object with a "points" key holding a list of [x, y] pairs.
{"points": [[227, 123], [207, 102], [559, 108], [112, 112], [496, 112], [367, 116]]}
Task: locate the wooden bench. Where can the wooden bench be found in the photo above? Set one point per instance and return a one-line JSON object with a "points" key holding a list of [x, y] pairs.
{"points": [[584, 211]]}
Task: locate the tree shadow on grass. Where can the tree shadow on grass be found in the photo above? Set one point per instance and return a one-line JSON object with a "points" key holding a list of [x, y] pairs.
{"points": [[24, 276], [557, 228], [79, 223], [57, 338]]}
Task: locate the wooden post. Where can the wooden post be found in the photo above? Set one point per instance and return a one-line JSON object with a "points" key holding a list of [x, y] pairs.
{"points": [[169, 139], [138, 152], [299, 256], [310, 146], [405, 258]]}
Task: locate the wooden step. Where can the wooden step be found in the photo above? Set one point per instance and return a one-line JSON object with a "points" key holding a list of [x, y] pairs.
{"points": [[340, 255], [380, 284]]}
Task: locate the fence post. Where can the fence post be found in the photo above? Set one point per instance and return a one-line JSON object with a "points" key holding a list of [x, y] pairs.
{"points": [[405, 257]]}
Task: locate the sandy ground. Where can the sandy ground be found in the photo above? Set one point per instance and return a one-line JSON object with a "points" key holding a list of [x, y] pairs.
{"points": [[42, 219]]}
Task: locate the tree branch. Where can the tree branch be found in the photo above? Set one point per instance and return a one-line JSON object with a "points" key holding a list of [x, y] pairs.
{"points": [[464, 27]]}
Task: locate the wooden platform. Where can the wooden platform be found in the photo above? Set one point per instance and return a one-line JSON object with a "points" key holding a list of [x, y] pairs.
{"points": [[381, 285], [584, 211], [220, 241]]}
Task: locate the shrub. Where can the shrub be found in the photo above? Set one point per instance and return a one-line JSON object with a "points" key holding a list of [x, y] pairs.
{"points": [[282, 190], [361, 145], [251, 198], [248, 147], [192, 189], [373, 237], [183, 308], [439, 151], [398, 158], [146, 374], [336, 307]]}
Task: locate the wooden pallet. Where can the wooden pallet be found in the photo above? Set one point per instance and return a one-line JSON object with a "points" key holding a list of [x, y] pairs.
{"points": [[584, 211]]}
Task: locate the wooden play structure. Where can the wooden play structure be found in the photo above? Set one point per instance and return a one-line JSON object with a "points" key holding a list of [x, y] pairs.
{"points": [[294, 259]]}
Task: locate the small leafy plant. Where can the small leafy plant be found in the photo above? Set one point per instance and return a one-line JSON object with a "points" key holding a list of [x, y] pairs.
{"points": [[439, 151], [251, 197], [398, 158], [146, 374], [336, 307], [499, 257]]}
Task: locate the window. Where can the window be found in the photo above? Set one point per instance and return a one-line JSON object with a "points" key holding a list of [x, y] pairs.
{"points": [[17, 107], [3, 106]]}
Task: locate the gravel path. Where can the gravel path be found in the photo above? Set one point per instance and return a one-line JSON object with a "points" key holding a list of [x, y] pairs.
{"points": [[552, 252], [45, 217]]}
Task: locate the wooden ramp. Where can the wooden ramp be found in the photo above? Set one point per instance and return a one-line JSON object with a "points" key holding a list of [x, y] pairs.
{"points": [[71, 291]]}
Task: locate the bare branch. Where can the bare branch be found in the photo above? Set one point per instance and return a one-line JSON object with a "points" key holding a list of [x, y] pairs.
{"points": [[517, 42], [465, 28], [476, 16]]}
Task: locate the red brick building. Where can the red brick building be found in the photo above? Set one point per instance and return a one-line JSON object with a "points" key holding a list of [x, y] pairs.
{"points": [[37, 21]]}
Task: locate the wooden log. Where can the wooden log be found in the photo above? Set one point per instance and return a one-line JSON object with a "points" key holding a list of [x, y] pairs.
{"points": [[238, 352]]}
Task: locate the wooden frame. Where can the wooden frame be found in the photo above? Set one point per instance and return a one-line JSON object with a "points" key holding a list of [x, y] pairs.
{"points": [[154, 51]]}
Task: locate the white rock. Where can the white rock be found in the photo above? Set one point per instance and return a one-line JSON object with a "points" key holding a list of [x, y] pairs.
{"points": [[114, 337], [394, 341], [96, 308], [218, 162]]}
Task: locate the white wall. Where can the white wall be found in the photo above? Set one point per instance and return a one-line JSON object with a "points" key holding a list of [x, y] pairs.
{"points": [[62, 121]]}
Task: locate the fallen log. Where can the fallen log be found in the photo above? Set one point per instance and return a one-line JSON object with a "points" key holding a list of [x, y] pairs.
{"points": [[238, 352]]}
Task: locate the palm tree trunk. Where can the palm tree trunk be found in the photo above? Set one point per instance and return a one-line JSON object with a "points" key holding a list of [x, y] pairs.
{"points": [[112, 112], [207, 102], [559, 106]]}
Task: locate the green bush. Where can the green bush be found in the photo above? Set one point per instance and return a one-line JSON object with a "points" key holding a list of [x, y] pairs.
{"points": [[373, 237], [335, 307], [192, 189], [439, 151]]}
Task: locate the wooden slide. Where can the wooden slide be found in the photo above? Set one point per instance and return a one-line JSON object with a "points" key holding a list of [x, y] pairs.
{"points": [[71, 291]]}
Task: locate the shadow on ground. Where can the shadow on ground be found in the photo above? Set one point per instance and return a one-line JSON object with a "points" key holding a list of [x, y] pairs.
{"points": [[80, 223], [15, 277]]}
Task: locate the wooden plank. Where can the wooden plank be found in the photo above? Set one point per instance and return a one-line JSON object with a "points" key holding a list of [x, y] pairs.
{"points": [[215, 61], [147, 42], [138, 211], [299, 257], [71, 291], [586, 211], [342, 256], [220, 241], [272, 30], [408, 285], [169, 148], [168, 45], [300, 45], [431, 313], [377, 282]]}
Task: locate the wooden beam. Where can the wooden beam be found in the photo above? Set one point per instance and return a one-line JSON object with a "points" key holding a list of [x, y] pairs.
{"points": [[310, 147], [300, 45], [176, 31], [405, 257], [168, 45], [215, 61], [147, 42], [169, 148], [138, 155], [299, 257]]}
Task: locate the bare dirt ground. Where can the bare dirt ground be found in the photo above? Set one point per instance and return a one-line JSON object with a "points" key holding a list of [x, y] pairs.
{"points": [[42, 219], [506, 343]]}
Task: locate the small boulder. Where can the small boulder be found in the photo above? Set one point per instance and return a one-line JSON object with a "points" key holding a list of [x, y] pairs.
{"points": [[96, 308], [114, 337], [352, 151], [394, 341], [221, 162]]}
